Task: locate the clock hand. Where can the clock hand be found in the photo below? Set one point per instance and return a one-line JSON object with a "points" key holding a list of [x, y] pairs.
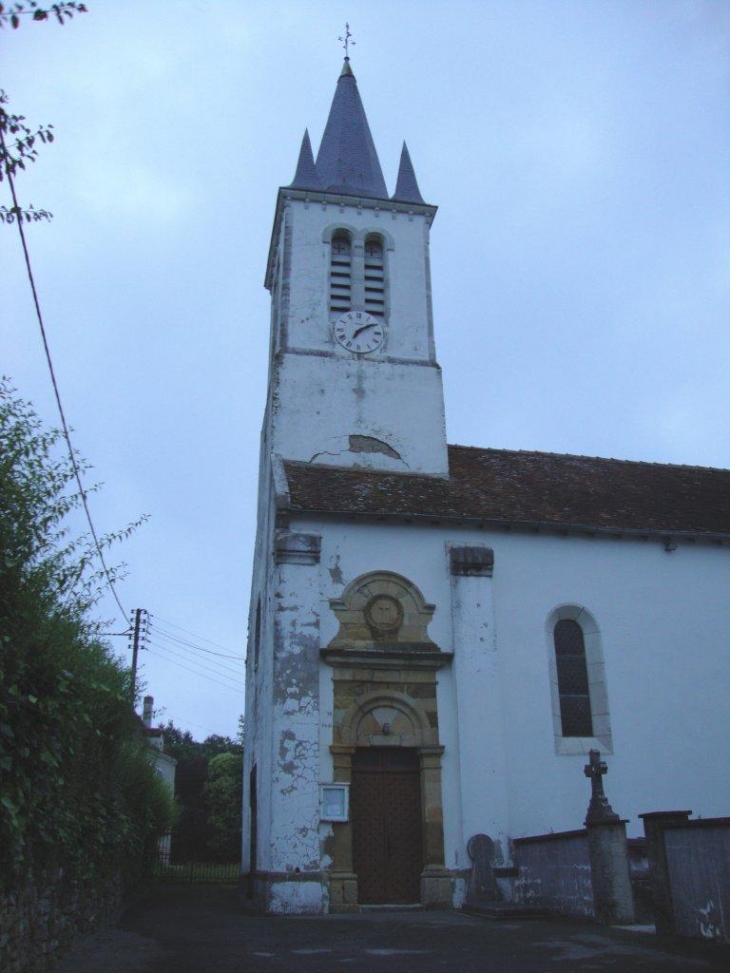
{"points": [[363, 327]]}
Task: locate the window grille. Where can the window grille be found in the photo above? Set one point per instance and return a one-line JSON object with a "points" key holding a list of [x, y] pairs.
{"points": [[575, 701], [341, 272], [374, 277]]}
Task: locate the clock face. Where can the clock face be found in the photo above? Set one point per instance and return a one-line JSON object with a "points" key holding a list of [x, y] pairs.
{"points": [[359, 332]]}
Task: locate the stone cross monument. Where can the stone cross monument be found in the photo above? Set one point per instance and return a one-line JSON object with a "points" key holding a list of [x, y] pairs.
{"points": [[599, 810]]}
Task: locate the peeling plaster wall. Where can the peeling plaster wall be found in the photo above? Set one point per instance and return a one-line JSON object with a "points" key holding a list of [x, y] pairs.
{"points": [[663, 619], [294, 836], [328, 400], [320, 396], [258, 713]]}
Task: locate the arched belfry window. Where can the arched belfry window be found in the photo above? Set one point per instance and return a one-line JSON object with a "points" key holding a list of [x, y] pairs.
{"points": [[341, 272], [573, 687], [375, 275]]}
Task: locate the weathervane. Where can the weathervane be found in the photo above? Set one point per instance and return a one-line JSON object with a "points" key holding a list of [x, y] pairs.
{"points": [[346, 41]]}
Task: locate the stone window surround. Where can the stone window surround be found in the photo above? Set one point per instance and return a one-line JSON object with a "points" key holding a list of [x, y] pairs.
{"points": [[602, 738], [358, 237]]}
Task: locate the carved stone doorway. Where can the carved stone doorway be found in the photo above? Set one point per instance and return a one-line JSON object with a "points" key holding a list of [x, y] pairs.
{"points": [[387, 840]]}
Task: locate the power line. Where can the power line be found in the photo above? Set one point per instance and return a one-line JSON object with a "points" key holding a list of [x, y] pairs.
{"points": [[213, 661], [198, 648], [64, 424], [209, 729], [196, 672], [201, 638], [223, 669], [226, 673]]}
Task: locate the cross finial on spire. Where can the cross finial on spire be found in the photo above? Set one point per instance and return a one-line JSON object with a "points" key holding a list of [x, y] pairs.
{"points": [[346, 41]]}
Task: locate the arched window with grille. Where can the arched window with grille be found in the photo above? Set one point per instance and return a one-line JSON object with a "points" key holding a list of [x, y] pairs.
{"points": [[375, 275], [578, 688], [340, 272], [575, 697]]}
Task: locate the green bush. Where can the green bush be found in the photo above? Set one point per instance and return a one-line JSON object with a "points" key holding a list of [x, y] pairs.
{"points": [[77, 787], [223, 794]]}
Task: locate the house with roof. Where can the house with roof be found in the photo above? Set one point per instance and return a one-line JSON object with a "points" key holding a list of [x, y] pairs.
{"points": [[440, 634]]}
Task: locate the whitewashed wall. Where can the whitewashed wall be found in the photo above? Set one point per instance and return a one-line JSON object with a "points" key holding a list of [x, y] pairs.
{"points": [[664, 620], [320, 394]]}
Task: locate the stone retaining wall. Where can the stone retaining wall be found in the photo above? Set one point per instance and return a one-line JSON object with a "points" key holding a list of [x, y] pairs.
{"points": [[41, 917]]}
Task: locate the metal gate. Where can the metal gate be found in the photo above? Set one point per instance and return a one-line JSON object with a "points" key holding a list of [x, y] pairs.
{"points": [[385, 809], [182, 861]]}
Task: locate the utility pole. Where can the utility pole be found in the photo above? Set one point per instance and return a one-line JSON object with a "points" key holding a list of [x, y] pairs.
{"points": [[138, 635]]}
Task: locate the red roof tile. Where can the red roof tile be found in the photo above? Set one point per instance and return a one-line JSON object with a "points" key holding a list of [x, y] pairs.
{"points": [[503, 486]]}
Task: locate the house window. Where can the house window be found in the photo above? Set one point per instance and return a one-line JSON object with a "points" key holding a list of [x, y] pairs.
{"points": [[374, 276], [573, 689], [578, 689], [341, 272]]}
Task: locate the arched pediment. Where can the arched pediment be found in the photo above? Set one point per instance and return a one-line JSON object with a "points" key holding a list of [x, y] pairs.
{"points": [[382, 610], [387, 719]]}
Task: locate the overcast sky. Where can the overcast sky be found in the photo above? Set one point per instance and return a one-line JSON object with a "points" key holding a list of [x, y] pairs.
{"points": [[578, 151]]}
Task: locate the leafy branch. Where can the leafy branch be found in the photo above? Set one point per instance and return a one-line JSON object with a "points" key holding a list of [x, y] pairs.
{"points": [[18, 142], [21, 147], [11, 13], [30, 215]]}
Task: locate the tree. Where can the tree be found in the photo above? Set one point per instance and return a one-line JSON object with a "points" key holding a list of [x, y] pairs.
{"points": [[224, 796], [76, 785], [208, 824]]}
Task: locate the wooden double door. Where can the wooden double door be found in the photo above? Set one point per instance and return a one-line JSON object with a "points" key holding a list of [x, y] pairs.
{"points": [[385, 811]]}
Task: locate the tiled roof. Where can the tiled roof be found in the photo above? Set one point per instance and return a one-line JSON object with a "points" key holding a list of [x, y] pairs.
{"points": [[550, 489], [347, 161]]}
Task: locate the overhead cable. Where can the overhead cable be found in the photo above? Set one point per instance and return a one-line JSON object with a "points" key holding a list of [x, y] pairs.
{"points": [[64, 424]]}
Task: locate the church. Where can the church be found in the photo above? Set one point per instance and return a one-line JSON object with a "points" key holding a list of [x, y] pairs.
{"points": [[439, 635]]}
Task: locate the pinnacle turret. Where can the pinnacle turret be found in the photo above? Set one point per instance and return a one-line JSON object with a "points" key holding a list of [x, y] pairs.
{"points": [[306, 175], [406, 188]]}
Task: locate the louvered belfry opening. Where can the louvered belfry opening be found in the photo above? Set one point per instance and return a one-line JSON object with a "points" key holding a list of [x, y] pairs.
{"points": [[374, 276], [570, 659], [341, 272]]}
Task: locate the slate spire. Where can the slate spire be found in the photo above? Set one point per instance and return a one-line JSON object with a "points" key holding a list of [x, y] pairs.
{"points": [[347, 161], [306, 175], [406, 187]]}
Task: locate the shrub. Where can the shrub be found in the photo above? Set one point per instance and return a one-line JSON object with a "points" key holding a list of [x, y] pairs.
{"points": [[77, 788]]}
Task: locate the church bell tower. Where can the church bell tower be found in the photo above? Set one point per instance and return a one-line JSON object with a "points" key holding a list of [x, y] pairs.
{"points": [[353, 384], [354, 380]]}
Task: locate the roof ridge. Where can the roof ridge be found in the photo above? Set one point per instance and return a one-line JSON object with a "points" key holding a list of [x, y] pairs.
{"points": [[603, 459]]}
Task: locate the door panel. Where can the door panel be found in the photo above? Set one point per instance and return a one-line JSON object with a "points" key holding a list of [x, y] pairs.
{"points": [[385, 807]]}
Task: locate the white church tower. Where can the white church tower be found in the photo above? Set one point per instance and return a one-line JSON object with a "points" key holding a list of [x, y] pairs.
{"points": [[354, 379], [353, 383]]}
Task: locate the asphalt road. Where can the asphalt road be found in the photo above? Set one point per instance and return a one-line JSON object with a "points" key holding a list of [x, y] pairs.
{"points": [[206, 929]]}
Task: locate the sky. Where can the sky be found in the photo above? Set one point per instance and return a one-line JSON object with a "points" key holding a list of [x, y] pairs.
{"points": [[578, 151]]}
